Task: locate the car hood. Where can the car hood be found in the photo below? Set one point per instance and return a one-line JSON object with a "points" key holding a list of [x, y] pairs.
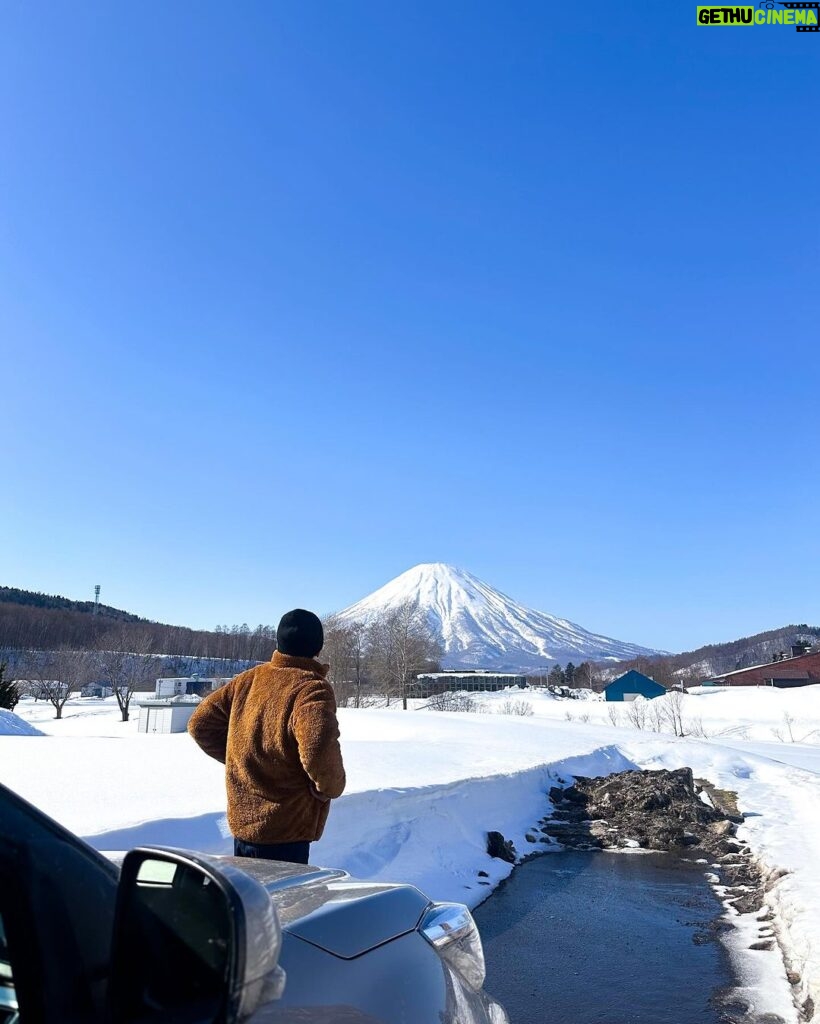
{"points": [[329, 909], [333, 911]]}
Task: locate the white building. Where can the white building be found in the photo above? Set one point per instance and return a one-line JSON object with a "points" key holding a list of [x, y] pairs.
{"points": [[178, 686], [429, 683], [166, 716]]}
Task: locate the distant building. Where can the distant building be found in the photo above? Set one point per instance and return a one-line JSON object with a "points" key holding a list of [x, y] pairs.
{"points": [[802, 668], [166, 716], [97, 690], [43, 689], [430, 683], [631, 685], [181, 686]]}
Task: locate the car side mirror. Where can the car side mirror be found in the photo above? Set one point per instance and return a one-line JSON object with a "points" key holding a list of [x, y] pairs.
{"points": [[195, 941]]}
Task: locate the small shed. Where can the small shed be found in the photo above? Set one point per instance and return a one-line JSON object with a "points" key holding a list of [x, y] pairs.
{"points": [[166, 716], [631, 685], [97, 690]]}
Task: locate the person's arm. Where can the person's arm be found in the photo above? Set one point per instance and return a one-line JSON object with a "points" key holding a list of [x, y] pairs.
{"points": [[316, 730], [209, 723]]}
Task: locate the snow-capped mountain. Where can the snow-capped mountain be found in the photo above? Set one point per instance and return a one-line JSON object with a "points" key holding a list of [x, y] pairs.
{"points": [[482, 628]]}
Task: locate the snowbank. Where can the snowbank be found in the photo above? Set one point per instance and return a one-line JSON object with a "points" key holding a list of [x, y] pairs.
{"points": [[436, 836], [14, 725]]}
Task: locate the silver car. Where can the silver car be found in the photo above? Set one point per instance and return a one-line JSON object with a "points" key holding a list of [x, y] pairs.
{"points": [[162, 935]]}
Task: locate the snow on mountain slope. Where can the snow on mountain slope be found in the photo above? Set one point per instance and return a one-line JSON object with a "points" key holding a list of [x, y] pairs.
{"points": [[481, 627]]}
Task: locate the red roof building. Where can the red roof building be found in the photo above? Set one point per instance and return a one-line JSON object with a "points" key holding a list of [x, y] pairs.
{"points": [[801, 669]]}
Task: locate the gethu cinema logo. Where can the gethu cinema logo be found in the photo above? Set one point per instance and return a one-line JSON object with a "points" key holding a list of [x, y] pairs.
{"points": [[803, 16]]}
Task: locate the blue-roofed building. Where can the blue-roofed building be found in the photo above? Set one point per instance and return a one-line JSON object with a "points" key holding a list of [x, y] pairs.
{"points": [[631, 685]]}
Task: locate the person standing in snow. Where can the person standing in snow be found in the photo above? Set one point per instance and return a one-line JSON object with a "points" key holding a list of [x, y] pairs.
{"points": [[274, 728]]}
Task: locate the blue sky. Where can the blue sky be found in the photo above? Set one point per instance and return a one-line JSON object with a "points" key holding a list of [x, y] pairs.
{"points": [[294, 296]]}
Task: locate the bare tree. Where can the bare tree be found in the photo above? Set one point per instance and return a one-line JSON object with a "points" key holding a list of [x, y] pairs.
{"points": [[127, 664], [334, 652], [56, 675], [789, 721], [655, 715], [379, 656], [401, 643], [695, 727], [358, 658], [636, 713], [523, 708], [345, 651], [673, 710], [449, 701], [584, 676]]}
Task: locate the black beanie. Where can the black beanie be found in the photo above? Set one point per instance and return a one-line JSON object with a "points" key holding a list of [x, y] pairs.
{"points": [[300, 634]]}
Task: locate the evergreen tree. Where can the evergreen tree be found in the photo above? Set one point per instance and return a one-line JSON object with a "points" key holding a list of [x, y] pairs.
{"points": [[569, 673], [556, 676], [8, 690]]}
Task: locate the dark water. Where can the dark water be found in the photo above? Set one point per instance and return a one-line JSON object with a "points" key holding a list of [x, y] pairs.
{"points": [[595, 938]]}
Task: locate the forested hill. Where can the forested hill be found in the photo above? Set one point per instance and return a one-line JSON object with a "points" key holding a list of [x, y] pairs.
{"points": [[34, 621], [34, 599], [714, 659]]}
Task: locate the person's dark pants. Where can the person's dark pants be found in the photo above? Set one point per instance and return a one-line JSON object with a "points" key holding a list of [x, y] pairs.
{"points": [[296, 853]]}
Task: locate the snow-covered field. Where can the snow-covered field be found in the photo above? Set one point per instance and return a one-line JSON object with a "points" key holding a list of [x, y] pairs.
{"points": [[424, 788]]}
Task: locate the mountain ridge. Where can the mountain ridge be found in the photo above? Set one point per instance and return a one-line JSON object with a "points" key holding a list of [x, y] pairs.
{"points": [[691, 667], [483, 627]]}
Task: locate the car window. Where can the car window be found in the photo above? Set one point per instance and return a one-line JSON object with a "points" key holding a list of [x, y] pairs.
{"points": [[59, 950], [8, 996]]}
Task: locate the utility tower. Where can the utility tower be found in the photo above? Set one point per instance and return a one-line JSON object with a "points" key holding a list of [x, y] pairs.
{"points": [[96, 598]]}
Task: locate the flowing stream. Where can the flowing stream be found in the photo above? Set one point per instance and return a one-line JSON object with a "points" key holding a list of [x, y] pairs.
{"points": [[597, 938]]}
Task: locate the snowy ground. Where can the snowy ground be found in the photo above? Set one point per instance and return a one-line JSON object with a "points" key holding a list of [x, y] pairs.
{"points": [[424, 787]]}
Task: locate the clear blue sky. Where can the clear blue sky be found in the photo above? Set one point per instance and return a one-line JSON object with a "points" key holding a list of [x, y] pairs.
{"points": [[296, 295]]}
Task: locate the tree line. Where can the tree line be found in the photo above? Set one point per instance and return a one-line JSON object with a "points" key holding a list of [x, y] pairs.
{"points": [[44, 623], [122, 659], [53, 652], [586, 676]]}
